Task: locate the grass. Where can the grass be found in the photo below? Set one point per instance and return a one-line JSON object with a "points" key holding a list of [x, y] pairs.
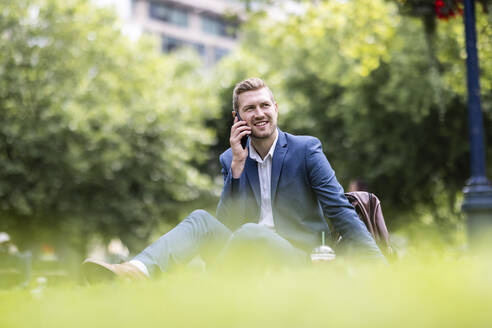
{"points": [[425, 289]]}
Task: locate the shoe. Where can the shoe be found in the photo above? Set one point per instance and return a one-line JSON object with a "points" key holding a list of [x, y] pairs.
{"points": [[95, 271]]}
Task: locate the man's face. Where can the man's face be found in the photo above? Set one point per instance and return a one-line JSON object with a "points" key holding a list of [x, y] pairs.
{"points": [[259, 111]]}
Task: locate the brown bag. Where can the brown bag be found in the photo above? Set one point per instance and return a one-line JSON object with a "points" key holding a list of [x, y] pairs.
{"points": [[368, 208]]}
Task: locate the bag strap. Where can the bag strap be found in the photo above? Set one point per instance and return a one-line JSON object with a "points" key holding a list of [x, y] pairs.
{"points": [[371, 206]]}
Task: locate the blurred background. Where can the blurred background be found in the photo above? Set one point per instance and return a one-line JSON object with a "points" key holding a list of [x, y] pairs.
{"points": [[113, 113]]}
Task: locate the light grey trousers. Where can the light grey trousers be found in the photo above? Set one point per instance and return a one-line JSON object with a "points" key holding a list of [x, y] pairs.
{"points": [[202, 234]]}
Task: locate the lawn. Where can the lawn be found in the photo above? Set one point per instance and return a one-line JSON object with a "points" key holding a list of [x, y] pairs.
{"points": [[450, 289]]}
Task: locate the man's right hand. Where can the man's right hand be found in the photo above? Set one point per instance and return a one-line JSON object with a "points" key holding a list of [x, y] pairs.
{"points": [[239, 154]]}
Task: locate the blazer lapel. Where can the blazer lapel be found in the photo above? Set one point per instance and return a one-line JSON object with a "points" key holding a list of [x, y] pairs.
{"points": [[252, 174], [277, 163]]}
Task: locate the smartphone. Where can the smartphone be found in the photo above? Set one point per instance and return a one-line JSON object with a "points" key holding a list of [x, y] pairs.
{"points": [[244, 139]]}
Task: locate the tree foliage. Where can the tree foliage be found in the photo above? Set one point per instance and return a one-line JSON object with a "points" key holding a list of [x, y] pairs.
{"points": [[97, 132], [358, 75]]}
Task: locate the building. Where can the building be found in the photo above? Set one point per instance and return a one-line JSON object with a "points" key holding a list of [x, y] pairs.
{"points": [[208, 26]]}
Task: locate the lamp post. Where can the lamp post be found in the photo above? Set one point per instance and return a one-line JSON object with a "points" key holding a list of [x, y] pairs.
{"points": [[477, 204]]}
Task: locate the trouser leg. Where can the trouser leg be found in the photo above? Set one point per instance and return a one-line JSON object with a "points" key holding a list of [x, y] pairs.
{"points": [[200, 233], [256, 245]]}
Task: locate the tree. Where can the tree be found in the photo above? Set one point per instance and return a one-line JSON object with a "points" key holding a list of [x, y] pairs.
{"points": [[355, 74], [97, 133]]}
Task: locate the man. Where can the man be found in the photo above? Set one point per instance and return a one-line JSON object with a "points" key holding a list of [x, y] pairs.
{"points": [[277, 192]]}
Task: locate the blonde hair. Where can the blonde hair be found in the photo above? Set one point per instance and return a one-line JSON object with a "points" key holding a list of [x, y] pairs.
{"points": [[250, 84]]}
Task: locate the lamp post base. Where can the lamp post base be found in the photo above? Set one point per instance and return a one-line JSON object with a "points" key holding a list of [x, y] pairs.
{"points": [[477, 207]]}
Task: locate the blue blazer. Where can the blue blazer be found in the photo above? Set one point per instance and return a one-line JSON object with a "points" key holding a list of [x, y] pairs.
{"points": [[304, 191]]}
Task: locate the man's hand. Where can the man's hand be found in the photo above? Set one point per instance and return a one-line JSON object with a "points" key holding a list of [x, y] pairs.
{"points": [[239, 154]]}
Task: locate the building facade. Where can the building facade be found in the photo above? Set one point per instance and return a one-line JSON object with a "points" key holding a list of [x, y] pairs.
{"points": [[208, 26]]}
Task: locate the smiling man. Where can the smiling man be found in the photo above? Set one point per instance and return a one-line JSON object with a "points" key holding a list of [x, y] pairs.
{"points": [[279, 191]]}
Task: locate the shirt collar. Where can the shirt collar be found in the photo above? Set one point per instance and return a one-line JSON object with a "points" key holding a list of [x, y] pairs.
{"points": [[253, 154]]}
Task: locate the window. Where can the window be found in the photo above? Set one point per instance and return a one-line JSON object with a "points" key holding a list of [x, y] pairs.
{"points": [[219, 53], [218, 26], [169, 14], [170, 44]]}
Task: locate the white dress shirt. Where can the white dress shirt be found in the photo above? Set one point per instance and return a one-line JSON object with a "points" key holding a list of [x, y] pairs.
{"points": [[265, 176]]}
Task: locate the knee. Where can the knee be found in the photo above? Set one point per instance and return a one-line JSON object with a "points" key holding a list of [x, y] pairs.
{"points": [[200, 213], [201, 217]]}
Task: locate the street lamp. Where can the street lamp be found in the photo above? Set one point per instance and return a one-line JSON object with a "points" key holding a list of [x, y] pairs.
{"points": [[477, 204]]}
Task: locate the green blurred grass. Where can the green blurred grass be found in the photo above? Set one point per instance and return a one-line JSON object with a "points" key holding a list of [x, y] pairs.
{"points": [[424, 289]]}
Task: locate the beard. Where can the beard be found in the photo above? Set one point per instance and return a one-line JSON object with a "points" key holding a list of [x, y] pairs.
{"points": [[263, 134]]}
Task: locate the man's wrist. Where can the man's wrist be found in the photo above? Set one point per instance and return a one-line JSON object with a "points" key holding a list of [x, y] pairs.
{"points": [[237, 168]]}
